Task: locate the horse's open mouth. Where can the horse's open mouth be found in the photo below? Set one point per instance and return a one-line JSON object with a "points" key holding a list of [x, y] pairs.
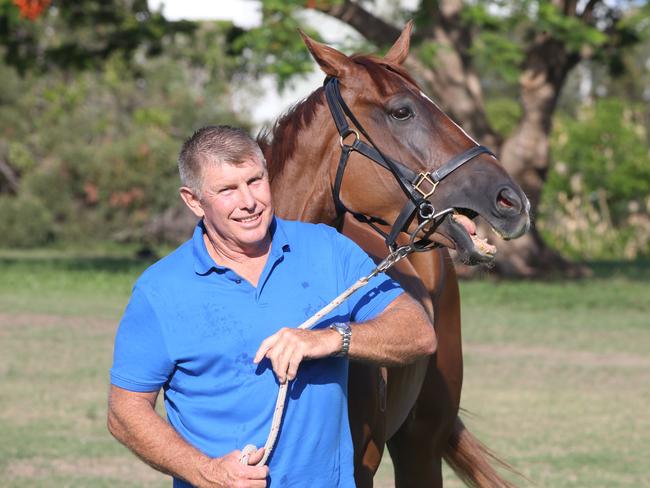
{"points": [[471, 248]]}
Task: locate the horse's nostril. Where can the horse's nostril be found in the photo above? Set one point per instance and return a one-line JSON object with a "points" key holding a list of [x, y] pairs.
{"points": [[504, 201], [507, 199]]}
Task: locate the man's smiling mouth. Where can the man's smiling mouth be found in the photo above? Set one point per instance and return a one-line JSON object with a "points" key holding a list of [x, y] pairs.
{"points": [[246, 220]]}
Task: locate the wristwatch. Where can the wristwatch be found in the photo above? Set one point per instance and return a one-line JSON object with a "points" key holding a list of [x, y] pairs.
{"points": [[345, 330]]}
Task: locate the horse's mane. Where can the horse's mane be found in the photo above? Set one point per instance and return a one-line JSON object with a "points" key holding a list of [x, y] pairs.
{"points": [[279, 142]]}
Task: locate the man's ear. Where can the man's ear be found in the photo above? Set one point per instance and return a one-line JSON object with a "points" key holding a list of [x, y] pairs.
{"points": [[332, 62], [192, 201]]}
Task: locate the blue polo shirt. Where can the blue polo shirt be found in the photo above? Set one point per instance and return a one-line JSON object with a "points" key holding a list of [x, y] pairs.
{"points": [[192, 328]]}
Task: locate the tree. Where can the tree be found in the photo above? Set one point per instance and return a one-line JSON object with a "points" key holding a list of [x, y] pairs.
{"points": [[527, 46], [42, 35], [89, 131]]}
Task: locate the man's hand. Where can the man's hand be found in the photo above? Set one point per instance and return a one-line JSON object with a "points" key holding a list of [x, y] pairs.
{"points": [[288, 347], [228, 472]]}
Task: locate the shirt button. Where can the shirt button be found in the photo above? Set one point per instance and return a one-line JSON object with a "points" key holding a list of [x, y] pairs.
{"points": [[238, 282]]}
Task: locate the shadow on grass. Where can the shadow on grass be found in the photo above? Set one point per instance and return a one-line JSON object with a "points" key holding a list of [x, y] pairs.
{"points": [[104, 264], [129, 261], [638, 270]]}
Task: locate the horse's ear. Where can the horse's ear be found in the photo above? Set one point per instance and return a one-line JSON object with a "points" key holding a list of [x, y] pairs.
{"points": [[400, 50], [332, 62]]}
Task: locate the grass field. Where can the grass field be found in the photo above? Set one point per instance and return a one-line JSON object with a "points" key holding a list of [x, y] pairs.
{"points": [[557, 375]]}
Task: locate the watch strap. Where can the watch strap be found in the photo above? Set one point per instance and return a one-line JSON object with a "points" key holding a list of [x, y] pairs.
{"points": [[346, 334]]}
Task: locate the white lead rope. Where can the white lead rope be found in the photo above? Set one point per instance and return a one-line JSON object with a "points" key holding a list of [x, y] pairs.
{"points": [[391, 259]]}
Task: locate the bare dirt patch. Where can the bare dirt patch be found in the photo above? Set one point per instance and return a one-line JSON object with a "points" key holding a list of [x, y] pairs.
{"points": [[8, 321], [123, 469], [560, 356]]}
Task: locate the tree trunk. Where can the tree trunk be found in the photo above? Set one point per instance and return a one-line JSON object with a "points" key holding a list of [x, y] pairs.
{"points": [[9, 177], [526, 156]]}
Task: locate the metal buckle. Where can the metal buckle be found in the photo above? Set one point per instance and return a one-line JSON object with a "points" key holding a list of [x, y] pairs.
{"points": [[425, 178]]}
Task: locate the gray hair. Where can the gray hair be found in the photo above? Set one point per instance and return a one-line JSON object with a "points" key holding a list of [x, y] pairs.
{"points": [[215, 144]]}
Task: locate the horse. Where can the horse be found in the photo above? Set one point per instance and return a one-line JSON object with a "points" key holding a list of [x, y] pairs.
{"points": [[413, 410]]}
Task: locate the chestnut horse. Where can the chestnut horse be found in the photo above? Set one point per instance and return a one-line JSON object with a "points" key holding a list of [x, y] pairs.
{"points": [[412, 409]]}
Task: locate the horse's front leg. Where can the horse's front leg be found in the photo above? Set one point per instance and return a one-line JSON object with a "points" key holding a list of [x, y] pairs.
{"points": [[367, 411], [418, 445], [416, 448]]}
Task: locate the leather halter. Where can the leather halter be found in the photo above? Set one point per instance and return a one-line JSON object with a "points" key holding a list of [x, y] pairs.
{"points": [[418, 187]]}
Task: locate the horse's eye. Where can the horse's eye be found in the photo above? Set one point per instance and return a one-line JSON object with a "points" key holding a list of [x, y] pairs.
{"points": [[402, 113]]}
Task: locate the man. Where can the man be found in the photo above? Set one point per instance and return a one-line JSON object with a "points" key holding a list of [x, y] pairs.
{"points": [[213, 324]]}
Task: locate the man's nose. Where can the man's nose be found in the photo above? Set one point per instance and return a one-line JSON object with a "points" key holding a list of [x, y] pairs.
{"points": [[247, 200]]}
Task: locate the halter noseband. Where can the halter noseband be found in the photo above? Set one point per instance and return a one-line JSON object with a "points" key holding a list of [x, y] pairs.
{"points": [[418, 187]]}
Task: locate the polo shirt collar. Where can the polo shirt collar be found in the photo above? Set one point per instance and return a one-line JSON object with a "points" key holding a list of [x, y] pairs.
{"points": [[203, 262]]}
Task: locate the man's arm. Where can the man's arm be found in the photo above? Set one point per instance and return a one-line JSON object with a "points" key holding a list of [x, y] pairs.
{"points": [[133, 421], [399, 335]]}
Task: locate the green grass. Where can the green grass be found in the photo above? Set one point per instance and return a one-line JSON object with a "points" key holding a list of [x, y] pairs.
{"points": [[559, 373], [61, 285], [556, 375], [58, 316]]}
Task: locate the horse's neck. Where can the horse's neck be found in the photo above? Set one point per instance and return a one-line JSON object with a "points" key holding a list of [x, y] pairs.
{"points": [[421, 274], [302, 190]]}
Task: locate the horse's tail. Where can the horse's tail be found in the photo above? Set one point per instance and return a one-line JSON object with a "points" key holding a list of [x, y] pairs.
{"points": [[472, 461]]}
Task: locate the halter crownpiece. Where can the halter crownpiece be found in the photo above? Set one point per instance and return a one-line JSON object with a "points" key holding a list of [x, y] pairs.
{"points": [[418, 187]]}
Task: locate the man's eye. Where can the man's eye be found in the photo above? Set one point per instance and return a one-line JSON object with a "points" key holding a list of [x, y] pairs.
{"points": [[402, 113]]}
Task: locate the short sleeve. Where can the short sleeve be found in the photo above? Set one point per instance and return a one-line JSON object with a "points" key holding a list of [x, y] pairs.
{"points": [[371, 300], [140, 358]]}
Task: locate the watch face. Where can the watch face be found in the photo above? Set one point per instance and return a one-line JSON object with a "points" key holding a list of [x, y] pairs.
{"points": [[342, 326]]}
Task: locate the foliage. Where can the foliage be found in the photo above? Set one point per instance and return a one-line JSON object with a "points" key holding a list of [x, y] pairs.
{"points": [[502, 29], [582, 228], [95, 151], [278, 50], [575, 34], [503, 114], [82, 34], [90, 149], [607, 144], [24, 220], [496, 49], [597, 197]]}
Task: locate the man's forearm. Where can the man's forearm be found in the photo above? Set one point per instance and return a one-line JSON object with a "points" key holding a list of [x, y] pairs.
{"points": [[399, 335], [134, 422]]}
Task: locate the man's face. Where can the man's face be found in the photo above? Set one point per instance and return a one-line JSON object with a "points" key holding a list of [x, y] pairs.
{"points": [[237, 206]]}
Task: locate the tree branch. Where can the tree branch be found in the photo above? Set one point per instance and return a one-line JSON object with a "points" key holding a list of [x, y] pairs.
{"points": [[568, 7], [588, 12], [9, 175], [459, 32], [369, 26]]}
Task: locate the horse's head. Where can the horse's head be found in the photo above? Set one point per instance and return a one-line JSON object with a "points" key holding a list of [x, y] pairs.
{"points": [[407, 127]]}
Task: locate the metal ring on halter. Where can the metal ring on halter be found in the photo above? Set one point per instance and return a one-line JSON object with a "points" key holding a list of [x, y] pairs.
{"points": [[426, 210], [346, 134], [422, 244]]}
